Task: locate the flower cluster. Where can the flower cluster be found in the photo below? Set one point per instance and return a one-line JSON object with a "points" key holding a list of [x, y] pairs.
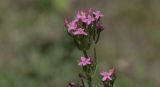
{"points": [[83, 20], [85, 28]]}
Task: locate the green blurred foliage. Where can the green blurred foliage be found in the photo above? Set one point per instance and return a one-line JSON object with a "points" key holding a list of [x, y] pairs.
{"points": [[35, 50]]}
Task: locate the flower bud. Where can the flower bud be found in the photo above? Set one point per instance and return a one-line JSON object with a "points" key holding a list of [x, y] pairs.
{"points": [[99, 27]]}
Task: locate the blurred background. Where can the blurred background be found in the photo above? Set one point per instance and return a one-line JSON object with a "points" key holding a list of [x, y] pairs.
{"points": [[35, 50]]}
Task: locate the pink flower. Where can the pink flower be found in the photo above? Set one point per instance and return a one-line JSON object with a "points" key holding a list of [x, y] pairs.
{"points": [[71, 26], [81, 15], [107, 75], [98, 14], [89, 20], [79, 31], [85, 17], [85, 61], [77, 27]]}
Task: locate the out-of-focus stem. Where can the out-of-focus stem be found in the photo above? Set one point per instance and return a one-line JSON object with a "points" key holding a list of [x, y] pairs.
{"points": [[82, 82], [97, 38], [95, 54], [111, 83], [85, 53], [90, 82], [105, 85]]}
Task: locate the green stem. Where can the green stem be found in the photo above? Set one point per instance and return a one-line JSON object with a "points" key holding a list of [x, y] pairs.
{"points": [[89, 77], [82, 82], [95, 57], [105, 85], [97, 38], [90, 82], [112, 83], [95, 54], [85, 53]]}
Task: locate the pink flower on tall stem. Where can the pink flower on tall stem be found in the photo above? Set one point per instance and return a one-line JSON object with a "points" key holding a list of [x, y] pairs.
{"points": [[85, 61]]}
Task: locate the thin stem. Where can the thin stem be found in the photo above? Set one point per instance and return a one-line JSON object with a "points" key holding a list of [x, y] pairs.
{"points": [[82, 82], [97, 38], [85, 53], [95, 54], [94, 35], [111, 83], [105, 85], [89, 77], [95, 57], [90, 82]]}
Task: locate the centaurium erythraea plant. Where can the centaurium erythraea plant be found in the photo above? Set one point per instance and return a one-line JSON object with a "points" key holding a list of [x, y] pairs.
{"points": [[85, 30]]}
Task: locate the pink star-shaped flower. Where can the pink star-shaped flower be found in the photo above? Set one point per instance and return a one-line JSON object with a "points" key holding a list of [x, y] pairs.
{"points": [[107, 75], [89, 20], [79, 31], [81, 15], [85, 61], [98, 14], [71, 26]]}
